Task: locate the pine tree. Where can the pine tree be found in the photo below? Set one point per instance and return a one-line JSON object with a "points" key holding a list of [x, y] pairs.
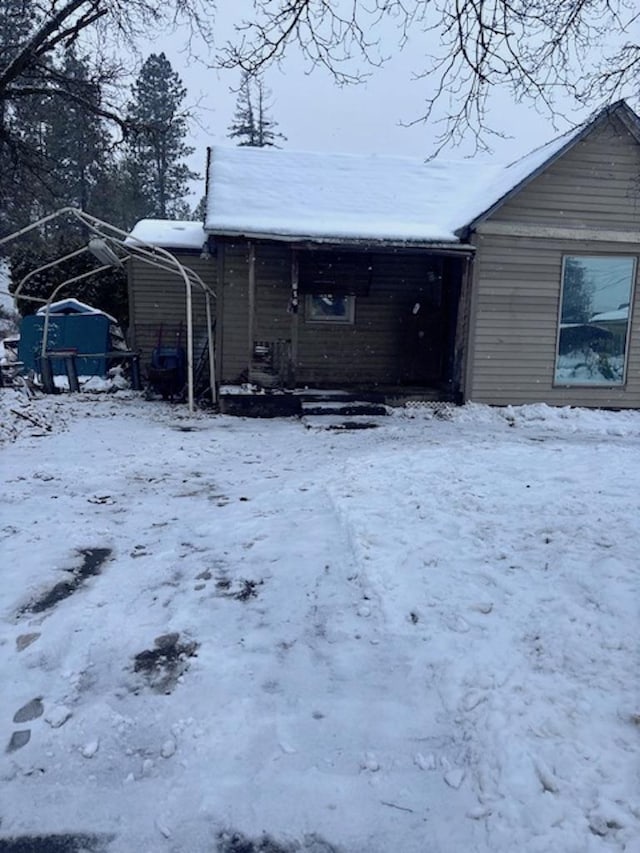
{"points": [[76, 140], [154, 163], [252, 125]]}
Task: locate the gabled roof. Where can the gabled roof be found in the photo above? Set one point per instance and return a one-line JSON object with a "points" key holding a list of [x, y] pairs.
{"points": [[293, 195], [521, 172]]}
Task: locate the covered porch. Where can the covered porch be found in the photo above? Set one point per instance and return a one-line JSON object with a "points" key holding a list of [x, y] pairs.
{"points": [[384, 322]]}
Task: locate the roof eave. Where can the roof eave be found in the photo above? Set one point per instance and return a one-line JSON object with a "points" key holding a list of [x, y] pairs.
{"points": [[331, 240]]}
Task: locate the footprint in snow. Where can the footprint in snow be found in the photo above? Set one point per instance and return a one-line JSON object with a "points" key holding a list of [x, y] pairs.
{"points": [[31, 711], [19, 739]]}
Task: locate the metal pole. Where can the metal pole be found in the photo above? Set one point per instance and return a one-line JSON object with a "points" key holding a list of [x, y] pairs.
{"points": [[212, 355]]}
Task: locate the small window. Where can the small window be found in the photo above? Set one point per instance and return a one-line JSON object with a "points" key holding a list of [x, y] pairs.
{"points": [[329, 308], [595, 310]]}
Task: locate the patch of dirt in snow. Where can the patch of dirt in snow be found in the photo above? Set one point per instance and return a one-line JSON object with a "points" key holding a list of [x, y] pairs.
{"points": [[93, 560], [163, 665], [236, 842], [67, 843]]}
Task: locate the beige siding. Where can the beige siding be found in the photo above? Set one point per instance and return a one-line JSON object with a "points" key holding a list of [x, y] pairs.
{"points": [[234, 327], [518, 271], [516, 308], [157, 301], [595, 184]]}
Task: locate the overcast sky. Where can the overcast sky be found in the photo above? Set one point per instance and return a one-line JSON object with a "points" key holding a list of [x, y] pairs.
{"points": [[316, 115]]}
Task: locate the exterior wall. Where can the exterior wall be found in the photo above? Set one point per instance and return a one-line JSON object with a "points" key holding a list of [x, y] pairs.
{"points": [[157, 301], [382, 345], [233, 304], [515, 324], [587, 203], [596, 184]]}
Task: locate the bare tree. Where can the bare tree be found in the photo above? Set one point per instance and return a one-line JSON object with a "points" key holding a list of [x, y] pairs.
{"points": [[34, 34], [535, 48]]}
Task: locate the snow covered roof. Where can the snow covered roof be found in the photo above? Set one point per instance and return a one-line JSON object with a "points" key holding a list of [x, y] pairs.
{"points": [[295, 194], [292, 195], [169, 233]]}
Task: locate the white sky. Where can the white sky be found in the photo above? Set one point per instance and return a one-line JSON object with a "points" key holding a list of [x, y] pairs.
{"points": [[317, 115]]}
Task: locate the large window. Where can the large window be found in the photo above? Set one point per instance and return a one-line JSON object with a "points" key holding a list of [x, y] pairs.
{"points": [[595, 309]]}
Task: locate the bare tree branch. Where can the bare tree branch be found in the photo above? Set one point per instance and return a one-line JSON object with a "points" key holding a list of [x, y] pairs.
{"points": [[537, 49]]}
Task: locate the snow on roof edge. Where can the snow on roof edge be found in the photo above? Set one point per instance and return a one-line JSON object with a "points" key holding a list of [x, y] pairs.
{"points": [[168, 233]]}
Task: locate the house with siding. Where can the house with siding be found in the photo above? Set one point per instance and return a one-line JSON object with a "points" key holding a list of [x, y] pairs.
{"points": [[437, 280]]}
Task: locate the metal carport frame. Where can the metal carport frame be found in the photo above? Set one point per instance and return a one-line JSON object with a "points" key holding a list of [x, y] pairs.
{"points": [[106, 243]]}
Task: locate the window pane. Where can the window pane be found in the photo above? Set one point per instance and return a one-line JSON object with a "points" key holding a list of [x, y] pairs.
{"points": [[594, 319], [330, 307]]}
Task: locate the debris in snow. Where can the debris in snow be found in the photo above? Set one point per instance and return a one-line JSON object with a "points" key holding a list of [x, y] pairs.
{"points": [[546, 777], [57, 716], [482, 607], [168, 748], [90, 749], [370, 762], [396, 806], [454, 777], [479, 813], [162, 829], [425, 762]]}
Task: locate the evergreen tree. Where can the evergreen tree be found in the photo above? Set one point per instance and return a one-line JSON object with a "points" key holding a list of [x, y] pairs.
{"points": [[154, 165], [199, 212], [76, 138], [577, 299], [252, 125]]}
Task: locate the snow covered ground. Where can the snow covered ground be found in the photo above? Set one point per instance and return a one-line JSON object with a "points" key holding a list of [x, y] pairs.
{"points": [[419, 638]]}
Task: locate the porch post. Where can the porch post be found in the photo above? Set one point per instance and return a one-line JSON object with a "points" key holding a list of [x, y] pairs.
{"points": [[252, 306], [295, 313]]}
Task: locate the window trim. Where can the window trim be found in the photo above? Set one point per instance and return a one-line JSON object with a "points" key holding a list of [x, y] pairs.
{"points": [[347, 320], [607, 385]]}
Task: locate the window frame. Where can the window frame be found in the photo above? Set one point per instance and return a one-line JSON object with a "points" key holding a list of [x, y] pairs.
{"points": [[607, 384], [332, 320]]}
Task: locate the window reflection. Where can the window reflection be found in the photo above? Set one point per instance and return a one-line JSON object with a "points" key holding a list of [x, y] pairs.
{"points": [[594, 320], [330, 307]]}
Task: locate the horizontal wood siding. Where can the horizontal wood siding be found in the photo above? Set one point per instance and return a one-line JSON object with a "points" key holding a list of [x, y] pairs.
{"points": [[273, 292], [595, 184], [515, 323], [377, 347], [158, 300], [234, 327]]}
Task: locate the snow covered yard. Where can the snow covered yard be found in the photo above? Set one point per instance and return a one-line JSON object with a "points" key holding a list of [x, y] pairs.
{"points": [[420, 638]]}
